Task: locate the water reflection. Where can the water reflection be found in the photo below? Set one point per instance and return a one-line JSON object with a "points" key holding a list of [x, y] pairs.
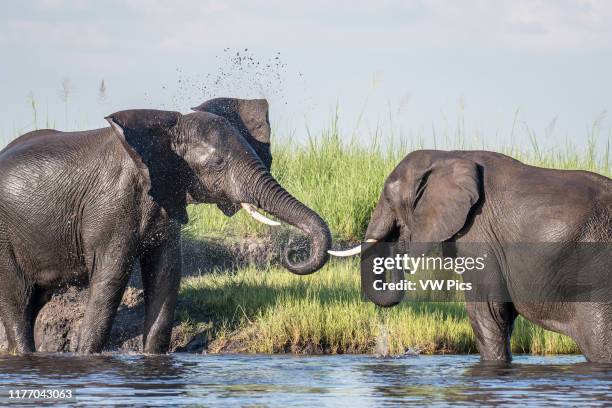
{"points": [[183, 379], [465, 380]]}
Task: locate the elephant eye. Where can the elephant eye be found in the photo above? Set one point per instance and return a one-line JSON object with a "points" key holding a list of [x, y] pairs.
{"points": [[216, 161]]}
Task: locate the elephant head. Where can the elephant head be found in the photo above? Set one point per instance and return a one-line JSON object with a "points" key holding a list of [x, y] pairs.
{"points": [[427, 199], [250, 117], [209, 158]]}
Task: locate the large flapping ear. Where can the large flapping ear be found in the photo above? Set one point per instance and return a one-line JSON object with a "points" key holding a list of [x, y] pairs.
{"points": [[250, 117], [442, 198], [143, 129], [146, 135]]}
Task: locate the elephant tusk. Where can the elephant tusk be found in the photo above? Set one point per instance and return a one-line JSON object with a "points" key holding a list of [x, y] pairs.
{"points": [[249, 208], [350, 252]]}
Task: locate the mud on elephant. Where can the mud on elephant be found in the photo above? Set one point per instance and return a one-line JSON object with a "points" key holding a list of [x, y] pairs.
{"points": [[532, 223], [81, 207]]}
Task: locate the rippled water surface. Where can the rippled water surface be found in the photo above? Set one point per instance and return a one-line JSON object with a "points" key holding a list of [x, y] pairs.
{"points": [[239, 380]]}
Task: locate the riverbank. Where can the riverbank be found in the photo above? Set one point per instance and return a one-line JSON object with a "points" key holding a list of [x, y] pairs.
{"points": [[271, 311], [234, 298]]}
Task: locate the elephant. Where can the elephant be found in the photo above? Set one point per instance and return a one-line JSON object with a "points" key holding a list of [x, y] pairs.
{"points": [[81, 207], [456, 198]]}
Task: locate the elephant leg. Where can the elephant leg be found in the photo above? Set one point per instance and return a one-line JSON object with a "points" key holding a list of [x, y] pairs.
{"points": [[161, 276], [492, 323], [106, 287], [593, 332], [16, 298], [17, 326]]}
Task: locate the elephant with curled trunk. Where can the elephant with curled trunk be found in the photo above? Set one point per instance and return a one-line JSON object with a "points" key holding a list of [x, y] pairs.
{"points": [[546, 235], [81, 207]]}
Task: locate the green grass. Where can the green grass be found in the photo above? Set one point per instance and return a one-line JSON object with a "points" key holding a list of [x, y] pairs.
{"points": [[273, 311]]}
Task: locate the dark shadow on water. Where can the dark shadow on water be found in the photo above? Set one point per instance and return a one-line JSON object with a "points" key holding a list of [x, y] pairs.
{"points": [[465, 380], [71, 366], [491, 369]]}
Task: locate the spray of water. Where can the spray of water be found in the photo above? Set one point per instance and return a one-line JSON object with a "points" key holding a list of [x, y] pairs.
{"points": [[382, 341], [233, 72], [382, 348]]}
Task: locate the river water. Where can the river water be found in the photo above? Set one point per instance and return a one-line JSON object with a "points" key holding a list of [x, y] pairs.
{"points": [[345, 380]]}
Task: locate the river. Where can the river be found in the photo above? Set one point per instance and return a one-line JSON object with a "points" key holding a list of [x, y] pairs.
{"points": [[282, 380]]}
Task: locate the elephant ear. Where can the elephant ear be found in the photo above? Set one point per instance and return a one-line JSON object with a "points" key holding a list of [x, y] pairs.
{"points": [[442, 199], [146, 135], [250, 117], [144, 131]]}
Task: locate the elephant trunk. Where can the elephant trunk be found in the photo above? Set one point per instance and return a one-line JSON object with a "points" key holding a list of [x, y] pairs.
{"points": [[267, 194], [380, 228], [383, 298]]}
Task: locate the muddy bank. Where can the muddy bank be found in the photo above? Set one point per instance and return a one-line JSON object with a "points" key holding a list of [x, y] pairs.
{"points": [[58, 323]]}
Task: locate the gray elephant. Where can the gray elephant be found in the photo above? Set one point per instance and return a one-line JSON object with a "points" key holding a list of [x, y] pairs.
{"points": [[532, 223], [81, 207]]}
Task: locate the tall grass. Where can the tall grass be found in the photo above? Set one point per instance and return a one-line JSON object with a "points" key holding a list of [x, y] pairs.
{"points": [[342, 179], [273, 311]]}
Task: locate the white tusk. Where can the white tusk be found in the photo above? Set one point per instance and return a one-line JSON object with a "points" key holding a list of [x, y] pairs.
{"points": [[350, 252], [261, 218]]}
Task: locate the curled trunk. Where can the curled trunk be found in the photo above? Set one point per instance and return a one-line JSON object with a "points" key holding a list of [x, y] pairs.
{"points": [[266, 193]]}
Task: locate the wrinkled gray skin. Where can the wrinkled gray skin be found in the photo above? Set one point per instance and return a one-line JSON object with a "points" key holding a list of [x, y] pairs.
{"points": [[81, 207], [485, 197]]}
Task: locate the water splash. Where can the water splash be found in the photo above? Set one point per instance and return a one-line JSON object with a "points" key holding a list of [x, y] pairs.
{"points": [[234, 72], [382, 348], [382, 341]]}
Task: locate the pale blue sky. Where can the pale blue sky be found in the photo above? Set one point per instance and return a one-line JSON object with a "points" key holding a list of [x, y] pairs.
{"points": [[407, 66]]}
